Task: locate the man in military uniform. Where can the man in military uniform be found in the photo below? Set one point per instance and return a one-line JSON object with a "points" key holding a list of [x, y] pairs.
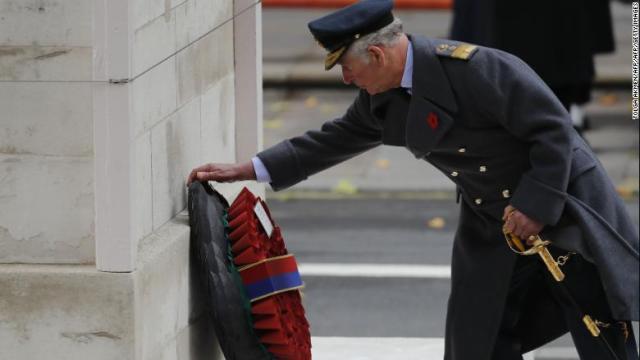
{"points": [[488, 122]]}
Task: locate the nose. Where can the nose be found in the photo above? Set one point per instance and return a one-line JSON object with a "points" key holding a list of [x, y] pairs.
{"points": [[346, 77]]}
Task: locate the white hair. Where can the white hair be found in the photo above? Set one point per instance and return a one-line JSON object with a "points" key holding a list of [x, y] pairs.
{"points": [[386, 36]]}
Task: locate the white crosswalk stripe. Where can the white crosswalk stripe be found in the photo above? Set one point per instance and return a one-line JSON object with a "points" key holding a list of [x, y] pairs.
{"points": [[370, 348], [352, 348], [375, 270]]}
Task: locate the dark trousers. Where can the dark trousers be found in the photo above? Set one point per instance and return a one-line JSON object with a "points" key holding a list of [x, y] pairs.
{"points": [[536, 313]]}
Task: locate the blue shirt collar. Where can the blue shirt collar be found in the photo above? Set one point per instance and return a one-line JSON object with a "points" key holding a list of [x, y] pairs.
{"points": [[407, 76]]}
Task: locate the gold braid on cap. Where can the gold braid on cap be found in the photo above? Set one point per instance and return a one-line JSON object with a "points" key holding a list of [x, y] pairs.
{"points": [[333, 57]]}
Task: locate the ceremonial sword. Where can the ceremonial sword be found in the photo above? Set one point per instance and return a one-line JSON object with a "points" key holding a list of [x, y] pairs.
{"points": [[540, 247]]}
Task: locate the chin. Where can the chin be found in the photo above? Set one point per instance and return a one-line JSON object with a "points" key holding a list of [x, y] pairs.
{"points": [[372, 91], [377, 90]]}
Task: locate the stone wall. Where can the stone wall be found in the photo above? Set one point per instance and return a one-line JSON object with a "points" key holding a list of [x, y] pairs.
{"points": [[184, 102], [46, 132], [105, 106]]}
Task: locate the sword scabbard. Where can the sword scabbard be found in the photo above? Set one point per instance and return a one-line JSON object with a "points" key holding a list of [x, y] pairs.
{"points": [[550, 262], [591, 326]]}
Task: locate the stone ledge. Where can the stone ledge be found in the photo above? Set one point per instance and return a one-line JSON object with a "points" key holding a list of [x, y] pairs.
{"points": [[65, 312], [46, 219], [76, 312]]}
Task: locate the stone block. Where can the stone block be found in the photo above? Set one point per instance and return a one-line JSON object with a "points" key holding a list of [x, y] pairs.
{"points": [[205, 62], [195, 18], [153, 96], [46, 63], [65, 312], [165, 305], [170, 304], [218, 122], [248, 82], [46, 210], [46, 119], [145, 11], [216, 55], [198, 342], [174, 325], [154, 42], [78, 313], [175, 144], [187, 73], [46, 23], [143, 200], [240, 6]]}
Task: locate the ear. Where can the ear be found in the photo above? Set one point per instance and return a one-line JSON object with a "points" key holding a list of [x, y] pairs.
{"points": [[377, 55]]}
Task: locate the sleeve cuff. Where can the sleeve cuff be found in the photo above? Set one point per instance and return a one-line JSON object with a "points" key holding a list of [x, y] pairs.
{"points": [[262, 174], [283, 165], [539, 201]]}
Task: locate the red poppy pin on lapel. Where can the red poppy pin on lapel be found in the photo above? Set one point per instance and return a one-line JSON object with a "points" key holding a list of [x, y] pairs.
{"points": [[432, 120]]}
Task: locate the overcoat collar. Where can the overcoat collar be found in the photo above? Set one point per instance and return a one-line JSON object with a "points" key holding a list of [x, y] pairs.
{"points": [[429, 78], [421, 120]]}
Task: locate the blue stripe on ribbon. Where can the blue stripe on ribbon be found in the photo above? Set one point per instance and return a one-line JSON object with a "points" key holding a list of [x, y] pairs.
{"points": [[273, 284]]}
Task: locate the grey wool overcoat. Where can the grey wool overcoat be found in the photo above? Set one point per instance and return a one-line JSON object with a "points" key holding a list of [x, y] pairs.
{"points": [[489, 123]]}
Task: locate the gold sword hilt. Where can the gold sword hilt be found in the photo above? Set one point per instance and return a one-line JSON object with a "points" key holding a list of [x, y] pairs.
{"points": [[549, 261], [539, 247]]}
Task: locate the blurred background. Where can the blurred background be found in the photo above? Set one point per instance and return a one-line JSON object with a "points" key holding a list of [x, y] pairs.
{"points": [[360, 228]]}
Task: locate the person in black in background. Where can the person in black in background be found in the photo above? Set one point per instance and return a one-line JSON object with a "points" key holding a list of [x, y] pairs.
{"points": [[558, 39]]}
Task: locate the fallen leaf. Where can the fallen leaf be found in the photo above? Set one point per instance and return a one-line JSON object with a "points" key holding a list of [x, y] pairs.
{"points": [[273, 124], [279, 106], [311, 102], [327, 109], [345, 187], [628, 188], [436, 223], [382, 164], [608, 99]]}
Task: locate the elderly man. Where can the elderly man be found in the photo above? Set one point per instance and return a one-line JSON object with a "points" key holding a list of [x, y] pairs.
{"points": [[490, 124]]}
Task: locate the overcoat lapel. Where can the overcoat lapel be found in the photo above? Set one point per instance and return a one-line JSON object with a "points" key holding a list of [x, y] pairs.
{"points": [[426, 125], [433, 102], [392, 106]]}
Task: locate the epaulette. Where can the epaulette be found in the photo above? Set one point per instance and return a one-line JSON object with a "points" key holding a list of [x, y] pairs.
{"points": [[460, 51]]}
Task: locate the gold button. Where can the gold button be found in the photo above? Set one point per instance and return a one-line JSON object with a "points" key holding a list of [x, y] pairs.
{"points": [[454, 173], [462, 150], [478, 201], [506, 193], [483, 168]]}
